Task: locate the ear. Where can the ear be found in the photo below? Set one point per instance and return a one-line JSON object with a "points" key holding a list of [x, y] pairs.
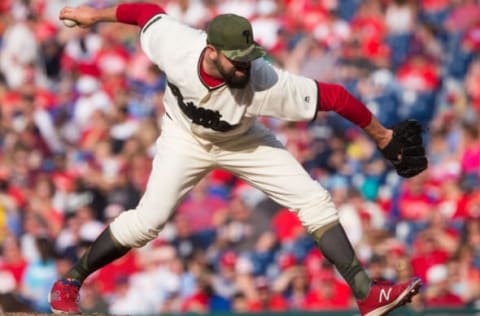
{"points": [[211, 52]]}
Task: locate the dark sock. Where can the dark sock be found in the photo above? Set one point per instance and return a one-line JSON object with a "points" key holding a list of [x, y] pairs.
{"points": [[103, 251], [336, 247]]}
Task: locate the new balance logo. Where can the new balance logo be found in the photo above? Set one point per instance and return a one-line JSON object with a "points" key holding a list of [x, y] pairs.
{"points": [[384, 295]]}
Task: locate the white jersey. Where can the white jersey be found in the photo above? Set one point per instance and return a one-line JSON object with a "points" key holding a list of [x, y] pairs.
{"points": [[221, 112]]}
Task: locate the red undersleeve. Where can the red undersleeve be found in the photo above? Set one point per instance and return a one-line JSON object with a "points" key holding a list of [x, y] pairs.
{"points": [[137, 13], [334, 97]]}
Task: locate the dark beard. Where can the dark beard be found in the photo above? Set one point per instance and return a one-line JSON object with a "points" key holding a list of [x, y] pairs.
{"points": [[230, 79]]}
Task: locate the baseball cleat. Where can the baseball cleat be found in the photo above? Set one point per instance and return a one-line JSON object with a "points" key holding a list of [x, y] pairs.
{"points": [[385, 297], [64, 297]]}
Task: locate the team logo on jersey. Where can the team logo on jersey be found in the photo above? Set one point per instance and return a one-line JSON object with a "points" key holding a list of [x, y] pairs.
{"points": [[201, 116]]}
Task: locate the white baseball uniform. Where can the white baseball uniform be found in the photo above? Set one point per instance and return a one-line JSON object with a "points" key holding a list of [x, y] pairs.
{"points": [[206, 128]]}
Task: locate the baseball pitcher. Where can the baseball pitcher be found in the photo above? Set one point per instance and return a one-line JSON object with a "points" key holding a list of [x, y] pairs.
{"points": [[218, 85]]}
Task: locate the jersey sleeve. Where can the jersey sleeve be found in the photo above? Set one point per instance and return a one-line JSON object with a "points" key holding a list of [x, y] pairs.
{"points": [[164, 39], [283, 95], [138, 13], [334, 97]]}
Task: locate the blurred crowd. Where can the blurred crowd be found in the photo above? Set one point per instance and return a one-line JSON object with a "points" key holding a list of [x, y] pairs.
{"points": [[80, 112]]}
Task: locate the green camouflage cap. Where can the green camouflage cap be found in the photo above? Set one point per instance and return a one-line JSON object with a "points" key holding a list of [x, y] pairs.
{"points": [[233, 36]]}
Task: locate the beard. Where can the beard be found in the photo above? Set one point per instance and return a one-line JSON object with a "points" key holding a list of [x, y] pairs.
{"points": [[231, 79]]}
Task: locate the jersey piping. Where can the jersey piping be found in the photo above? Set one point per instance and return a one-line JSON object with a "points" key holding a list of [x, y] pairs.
{"points": [[204, 76], [154, 19]]}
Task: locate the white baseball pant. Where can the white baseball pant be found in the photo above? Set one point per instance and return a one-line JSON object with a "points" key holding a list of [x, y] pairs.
{"points": [[256, 157]]}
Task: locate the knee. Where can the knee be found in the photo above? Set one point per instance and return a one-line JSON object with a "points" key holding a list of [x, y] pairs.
{"points": [[320, 211], [130, 230]]}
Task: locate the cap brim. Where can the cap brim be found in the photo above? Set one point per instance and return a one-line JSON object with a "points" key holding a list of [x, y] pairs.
{"points": [[245, 55]]}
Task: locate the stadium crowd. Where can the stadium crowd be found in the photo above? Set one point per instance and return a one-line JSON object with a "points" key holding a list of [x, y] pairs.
{"points": [[80, 112]]}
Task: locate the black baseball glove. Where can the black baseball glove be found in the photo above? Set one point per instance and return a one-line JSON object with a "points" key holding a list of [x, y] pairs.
{"points": [[405, 150]]}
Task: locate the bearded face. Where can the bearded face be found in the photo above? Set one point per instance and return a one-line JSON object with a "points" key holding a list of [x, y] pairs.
{"points": [[235, 74]]}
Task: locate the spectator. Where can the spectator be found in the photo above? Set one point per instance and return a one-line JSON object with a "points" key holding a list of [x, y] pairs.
{"points": [[471, 84], [79, 115], [34, 226], [266, 24], [463, 280], [109, 279], [463, 15], [9, 299], [327, 292], [472, 238], [266, 299], [294, 283], [91, 98], [244, 229], [203, 211], [92, 301], [377, 267], [125, 299], [426, 38], [79, 53], [200, 301], [427, 253], [9, 210], [368, 32], [438, 293], [400, 22], [470, 154], [414, 202], [224, 283], [311, 57], [287, 226], [19, 60], [434, 11], [191, 12], [40, 202], [184, 240], [13, 261], [239, 303], [157, 278], [40, 274]]}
